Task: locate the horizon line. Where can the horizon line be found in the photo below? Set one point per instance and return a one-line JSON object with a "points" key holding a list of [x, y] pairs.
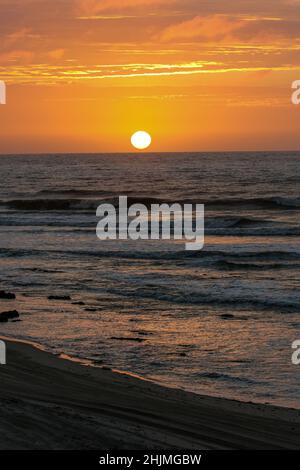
{"points": [[144, 153]]}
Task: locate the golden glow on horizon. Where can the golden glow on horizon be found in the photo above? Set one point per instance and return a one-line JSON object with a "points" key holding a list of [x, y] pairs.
{"points": [[141, 140]]}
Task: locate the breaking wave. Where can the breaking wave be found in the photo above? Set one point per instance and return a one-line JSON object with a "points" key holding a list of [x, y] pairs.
{"points": [[55, 204]]}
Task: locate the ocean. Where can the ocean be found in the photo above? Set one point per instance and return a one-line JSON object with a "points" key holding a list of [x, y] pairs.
{"points": [[220, 321]]}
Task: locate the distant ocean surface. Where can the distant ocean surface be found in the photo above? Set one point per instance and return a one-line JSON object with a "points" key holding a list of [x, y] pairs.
{"points": [[220, 321]]}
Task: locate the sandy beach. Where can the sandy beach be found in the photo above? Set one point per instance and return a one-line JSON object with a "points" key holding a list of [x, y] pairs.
{"points": [[52, 403]]}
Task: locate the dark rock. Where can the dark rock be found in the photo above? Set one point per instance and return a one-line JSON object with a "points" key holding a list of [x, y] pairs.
{"points": [[5, 316], [138, 340], [78, 303], [142, 333], [7, 295], [59, 297], [183, 354], [91, 309], [227, 316]]}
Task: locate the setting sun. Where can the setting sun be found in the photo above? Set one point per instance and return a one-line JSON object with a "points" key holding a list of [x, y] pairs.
{"points": [[141, 140]]}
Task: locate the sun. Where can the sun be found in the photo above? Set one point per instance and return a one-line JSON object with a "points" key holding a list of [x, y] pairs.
{"points": [[141, 140]]}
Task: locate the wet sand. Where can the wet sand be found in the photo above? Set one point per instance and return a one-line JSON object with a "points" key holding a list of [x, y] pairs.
{"points": [[47, 402]]}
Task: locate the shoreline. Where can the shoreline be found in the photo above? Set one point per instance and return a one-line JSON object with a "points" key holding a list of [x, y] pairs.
{"points": [[49, 402], [90, 363], [84, 361], [93, 364]]}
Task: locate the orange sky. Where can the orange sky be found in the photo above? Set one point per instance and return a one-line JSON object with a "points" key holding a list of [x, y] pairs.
{"points": [[83, 75]]}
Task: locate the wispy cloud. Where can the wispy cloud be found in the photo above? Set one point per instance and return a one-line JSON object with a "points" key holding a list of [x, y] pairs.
{"points": [[93, 7], [210, 27], [15, 55], [238, 28], [17, 36], [56, 54], [107, 17], [149, 14], [51, 74]]}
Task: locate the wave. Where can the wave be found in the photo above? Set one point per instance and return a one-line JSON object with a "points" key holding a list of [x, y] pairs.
{"points": [[235, 302], [230, 222], [208, 256], [74, 204], [225, 377], [66, 204], [246, 203], [235, 222], [40, 204], [72, 192], [249, 226], [85, 221], [256, 232], [260, 255], [236, 266], [270, 203]]}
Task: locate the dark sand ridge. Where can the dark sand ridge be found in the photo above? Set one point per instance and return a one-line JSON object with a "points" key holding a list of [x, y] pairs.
{"points": [[50, 403]]}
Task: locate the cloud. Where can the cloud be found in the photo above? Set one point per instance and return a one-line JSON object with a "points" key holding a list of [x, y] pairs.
{"points": [[56, 54], [107, 17], [18, 37], [15, 72], [241, 28], [93, 7], [19, 56], [215, 27]]}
